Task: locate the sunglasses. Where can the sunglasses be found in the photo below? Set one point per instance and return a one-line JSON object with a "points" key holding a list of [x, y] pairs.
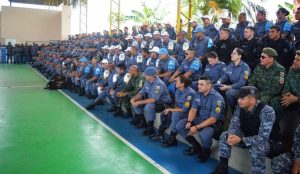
{"points": [[263, 57]]}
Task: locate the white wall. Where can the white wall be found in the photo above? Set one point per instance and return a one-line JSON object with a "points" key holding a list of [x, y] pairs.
{"points": [[25, 24]]}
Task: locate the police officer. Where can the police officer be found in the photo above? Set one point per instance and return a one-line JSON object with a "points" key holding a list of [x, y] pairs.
{"points": [[262, 26], [167, 65], [210, 29], [9, 52], [250, 46], [87, 74], [207, 109], [170, 30], [268, 77], [149, 42], [215, 68], [96, 70], [201, 44], [191, 68], [240, 27], [119, 56], [296, 29], [153, 61], [111, 54], [157, 42], [226, 23], [282, 23], [118, 86], [181, 46], [153, 97], [281, 46], [289, 162], [194, 25], [236, 76], [250, 128], [168, 43], [133, 83], [225, 45], [183, 102], [145, 56]]}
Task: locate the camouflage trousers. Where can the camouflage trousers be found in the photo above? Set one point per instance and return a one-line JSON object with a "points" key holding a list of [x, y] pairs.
{"points": [[282, 164], [258, 153]]}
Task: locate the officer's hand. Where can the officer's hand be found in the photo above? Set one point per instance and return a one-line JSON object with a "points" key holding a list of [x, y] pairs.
{"points": [[121, 94], [135, 104], [171, 80], [288, 99], [224, 88], [296, 167], [233, 140], [166, 111], [132, 100], [188, 125], [193, 130]]}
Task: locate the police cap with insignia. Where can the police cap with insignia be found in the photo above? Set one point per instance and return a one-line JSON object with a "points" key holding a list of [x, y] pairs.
{"points": [[150, 71]]}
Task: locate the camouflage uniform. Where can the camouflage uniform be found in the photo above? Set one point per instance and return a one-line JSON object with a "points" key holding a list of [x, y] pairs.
{"points": [[269, 82], [283, 163], [258, 144], [132, 88]]}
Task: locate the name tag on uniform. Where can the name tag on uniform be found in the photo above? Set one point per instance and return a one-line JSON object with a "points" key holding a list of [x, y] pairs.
{"points": [[157, 63], [151, 44], [122, 57], [185, 46], [148, 62], [170, 46], [143, 44], [105, 74], [127, 78], [115, 78], [139, 59]]}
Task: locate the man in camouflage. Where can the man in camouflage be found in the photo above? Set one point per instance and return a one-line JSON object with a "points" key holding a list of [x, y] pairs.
{"points": [[250, 128], [134, 82], [268, 77], [291, 90], [289, 162]]}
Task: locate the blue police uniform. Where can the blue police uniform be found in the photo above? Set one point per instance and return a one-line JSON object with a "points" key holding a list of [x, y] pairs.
{"points": [[108, 84], [88, 73], [296, 33], [151, 62], [156, 90], [208, 106], [239, 30], [172, 33], [170, 46], [215, 72], [179, 52], [236, 76], [118, 87], [262, 28], [211, 31], [285, 26], [183, 100], [168, 65], [202, 46], [97, 71]]}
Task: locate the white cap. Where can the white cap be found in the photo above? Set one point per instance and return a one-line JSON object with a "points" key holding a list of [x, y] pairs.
{"points": [[128, 49], [224, 17], [154, 49], [205, 17], [164, 33], [148, 35], [112, 47], [128, 37], [139, 36], [118, 47], [104, 61], [156, 32], [105, 47]]}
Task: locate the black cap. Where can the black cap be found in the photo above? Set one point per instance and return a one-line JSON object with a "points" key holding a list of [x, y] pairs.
{"points": [[247, 91]]}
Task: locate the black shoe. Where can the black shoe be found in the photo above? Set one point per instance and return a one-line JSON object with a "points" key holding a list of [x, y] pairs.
{"points": [[91, 106], [90, 96], [118, 112], [148, 132], [222, 167], [134, 121], [142, 122], [100, 102], [190, 151], [196, 147], [111, 109], [169, 143], [204, 155], [156, 137]]}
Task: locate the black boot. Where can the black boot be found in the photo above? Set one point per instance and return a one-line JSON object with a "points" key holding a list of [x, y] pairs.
{"points": [[77, 90], [142, 122], [150, 129], [82, 92], [118, 112], [159, 136], [134, 121], [92, 105], [222, 167], [112, 108], [172, 141], [128, 113], [204, 155], [196, 147]]}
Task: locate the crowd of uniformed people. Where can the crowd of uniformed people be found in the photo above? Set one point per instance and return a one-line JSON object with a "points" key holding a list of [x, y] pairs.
{"points": [[248, 75]]}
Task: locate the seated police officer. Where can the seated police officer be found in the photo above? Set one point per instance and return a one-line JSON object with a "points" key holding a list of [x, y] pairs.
{"points": [[250, 128], [207, 108], [153, 97]]}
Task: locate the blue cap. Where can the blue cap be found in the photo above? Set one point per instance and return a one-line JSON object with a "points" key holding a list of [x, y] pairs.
{"points": [[150, 71], [163, 51], [199, 29], [83, 60]]}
